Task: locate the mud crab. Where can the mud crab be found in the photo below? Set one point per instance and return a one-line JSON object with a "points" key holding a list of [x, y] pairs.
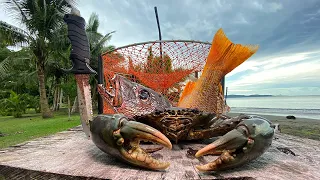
{"points": [[141, 114]]}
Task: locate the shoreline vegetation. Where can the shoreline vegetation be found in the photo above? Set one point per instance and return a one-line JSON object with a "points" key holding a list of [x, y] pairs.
{"points": [[263, 95], [301, 127], [245, 96], [14, 131]]}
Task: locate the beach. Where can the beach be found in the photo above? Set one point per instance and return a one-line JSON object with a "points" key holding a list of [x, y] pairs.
{"points": [[298, 106], [302, 127], [275, 108]]}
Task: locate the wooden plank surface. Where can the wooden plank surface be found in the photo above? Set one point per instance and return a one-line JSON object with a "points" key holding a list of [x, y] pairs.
{"points": [[70, 154]]}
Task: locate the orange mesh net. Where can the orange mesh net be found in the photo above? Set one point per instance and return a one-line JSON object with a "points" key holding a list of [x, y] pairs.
{"points": [[142, 63], [168, 67], [206, 93]]}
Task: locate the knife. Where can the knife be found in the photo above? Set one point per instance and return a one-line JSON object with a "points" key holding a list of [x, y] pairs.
{"points": [[80, 58]]}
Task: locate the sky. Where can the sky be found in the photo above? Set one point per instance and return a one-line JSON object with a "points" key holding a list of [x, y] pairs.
{"points": [[287, 31]]}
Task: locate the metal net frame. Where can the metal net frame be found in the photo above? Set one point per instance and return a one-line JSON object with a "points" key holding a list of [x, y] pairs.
{"points": [[164, 66]]}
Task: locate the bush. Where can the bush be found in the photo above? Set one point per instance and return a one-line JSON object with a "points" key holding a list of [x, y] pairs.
{"points": [[15, 104]]}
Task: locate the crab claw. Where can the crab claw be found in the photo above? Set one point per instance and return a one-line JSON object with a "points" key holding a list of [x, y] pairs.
{"points": [[249, 140], [119, 137]]}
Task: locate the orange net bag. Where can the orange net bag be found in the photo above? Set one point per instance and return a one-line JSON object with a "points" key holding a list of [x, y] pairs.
{"points": [[163, 66]]}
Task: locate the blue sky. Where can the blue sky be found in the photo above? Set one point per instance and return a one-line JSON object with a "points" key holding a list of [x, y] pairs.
{"points": [[288, 60]]}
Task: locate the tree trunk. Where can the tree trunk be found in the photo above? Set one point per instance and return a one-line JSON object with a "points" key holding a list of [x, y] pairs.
{"points": [[59, 89], [55, 99], [75, 107], [58, 98], [61, 96], [94, 94], [69, 108], [45, 110]]}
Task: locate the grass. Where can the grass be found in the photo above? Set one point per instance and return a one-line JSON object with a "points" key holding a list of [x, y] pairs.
{"points": [[31, 126], [307, 129]]}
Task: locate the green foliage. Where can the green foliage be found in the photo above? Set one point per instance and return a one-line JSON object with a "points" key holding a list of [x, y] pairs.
{"points": [[42, 19], [97, 41], [46, 51], [34, 103], [10, 35], [21, 74], [70, 88], [15, 104], [156, 64]]}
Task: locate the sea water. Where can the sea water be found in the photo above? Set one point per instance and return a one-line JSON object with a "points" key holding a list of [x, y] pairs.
{"points": [[299, 106]]}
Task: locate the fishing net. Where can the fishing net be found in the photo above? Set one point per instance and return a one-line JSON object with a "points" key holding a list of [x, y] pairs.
{"points": [[164, 66]]}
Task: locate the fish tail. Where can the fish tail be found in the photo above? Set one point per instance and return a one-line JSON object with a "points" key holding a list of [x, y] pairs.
{"points": [[224, 55], [207, 93], [220, 100], [187, 90]]}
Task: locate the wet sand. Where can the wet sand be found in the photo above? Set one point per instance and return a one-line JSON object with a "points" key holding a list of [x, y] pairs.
{"points": [[302, 127]]}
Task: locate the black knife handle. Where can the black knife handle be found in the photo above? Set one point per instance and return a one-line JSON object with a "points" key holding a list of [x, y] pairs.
{"points": [[80, 49]]}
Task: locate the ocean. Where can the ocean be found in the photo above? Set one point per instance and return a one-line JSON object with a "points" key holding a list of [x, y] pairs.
{"points": [[299, 106]]}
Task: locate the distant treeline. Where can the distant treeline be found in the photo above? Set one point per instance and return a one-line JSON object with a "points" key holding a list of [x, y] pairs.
{"points": [[242, 96]]}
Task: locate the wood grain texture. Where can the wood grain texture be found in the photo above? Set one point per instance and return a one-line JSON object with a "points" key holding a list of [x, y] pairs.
{"points": [[70, 154]]}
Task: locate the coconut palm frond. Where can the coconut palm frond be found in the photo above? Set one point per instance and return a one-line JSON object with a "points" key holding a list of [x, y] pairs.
{"points": [[4, 67], [11, 35]]}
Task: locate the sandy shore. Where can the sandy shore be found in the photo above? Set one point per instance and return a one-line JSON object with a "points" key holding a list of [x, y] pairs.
{"points": [[303, 127]]}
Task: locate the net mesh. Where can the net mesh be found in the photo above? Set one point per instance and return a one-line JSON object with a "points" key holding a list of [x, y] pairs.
{"points": [[206, 93], [164, 66]]}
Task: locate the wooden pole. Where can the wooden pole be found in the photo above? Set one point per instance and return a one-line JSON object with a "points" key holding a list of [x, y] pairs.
{"points": [[159, 30], [100, 81], [223, 83], [225, 98]]}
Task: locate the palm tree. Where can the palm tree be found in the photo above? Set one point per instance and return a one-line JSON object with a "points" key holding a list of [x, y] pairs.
{"points": [[97, 41], [4, 61], [98, 45], [40, 19]]}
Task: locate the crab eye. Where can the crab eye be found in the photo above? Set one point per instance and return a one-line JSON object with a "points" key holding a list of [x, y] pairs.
{"points": [[144, 94]]}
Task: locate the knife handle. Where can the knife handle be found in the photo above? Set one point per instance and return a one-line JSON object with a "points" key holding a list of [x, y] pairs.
{"points": [[80, 49]]}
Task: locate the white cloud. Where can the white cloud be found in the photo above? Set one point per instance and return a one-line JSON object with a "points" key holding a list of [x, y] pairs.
{"points": [[274, 7], [282, 74], [240, 19], [266, 6], [271, 62], [296, 79], [248, 65], [287, 74], [269, 23]]}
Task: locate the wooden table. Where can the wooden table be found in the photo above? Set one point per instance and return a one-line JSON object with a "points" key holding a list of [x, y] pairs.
{"points": [[69, 155]]}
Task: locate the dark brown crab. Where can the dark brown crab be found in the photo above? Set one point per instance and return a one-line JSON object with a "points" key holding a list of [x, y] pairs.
{"points": [[145, 115], [188, 124]]}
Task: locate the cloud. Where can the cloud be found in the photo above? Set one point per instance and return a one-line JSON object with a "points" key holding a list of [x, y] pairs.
{"points": [[282, 75], [240, 19], [287, 32]]}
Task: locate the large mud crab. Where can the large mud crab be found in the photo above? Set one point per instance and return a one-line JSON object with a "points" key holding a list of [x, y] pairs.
{"points": [[144, 115]]}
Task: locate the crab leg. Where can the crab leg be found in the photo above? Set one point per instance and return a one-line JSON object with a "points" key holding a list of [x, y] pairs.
{"points": [[119, 137], [249, 140], [218, 126]]}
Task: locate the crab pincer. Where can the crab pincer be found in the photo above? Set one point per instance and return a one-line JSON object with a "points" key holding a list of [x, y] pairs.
{"points": [[250, 139], [119, 137]]}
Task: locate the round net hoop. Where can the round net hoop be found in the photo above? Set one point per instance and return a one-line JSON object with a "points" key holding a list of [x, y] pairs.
{"points": [[164, 66]]}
